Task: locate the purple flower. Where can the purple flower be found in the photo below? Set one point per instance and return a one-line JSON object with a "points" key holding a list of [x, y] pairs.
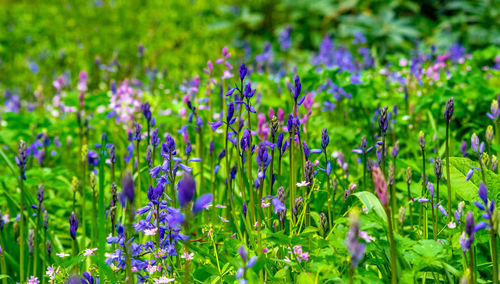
{"points": [[495, 111], [325, 139], [483, 193], [202, 202], [146, 111], [243, 72], [128, 192], [186, 189], [243, 253], [474, 142], [463, 148], [448, 112], [383, 121], [285, 39], [73, 225]]}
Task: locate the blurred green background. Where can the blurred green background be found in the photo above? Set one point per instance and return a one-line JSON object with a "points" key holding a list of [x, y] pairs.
{"points": [[43, 39]]}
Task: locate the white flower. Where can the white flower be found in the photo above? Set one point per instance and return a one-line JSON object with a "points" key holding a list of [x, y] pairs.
{"points": [[302, 184], [151, 268], [62, 254], [187, 256], [164, 280], [223, 220], [88, 252], [452, 225], [150, 232], [33, 280]]}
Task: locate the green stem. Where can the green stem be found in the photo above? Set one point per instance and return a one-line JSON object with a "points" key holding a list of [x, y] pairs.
{"points": [[3, 267], [35, 248], [494, 257], [128, 245], [448, 181], [22, 242], [139, 192], [394, 268], [471, 267]]}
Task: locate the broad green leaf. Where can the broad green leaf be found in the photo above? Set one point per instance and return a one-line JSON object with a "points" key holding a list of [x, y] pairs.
{"points": [[467, 190], [371, 202]]}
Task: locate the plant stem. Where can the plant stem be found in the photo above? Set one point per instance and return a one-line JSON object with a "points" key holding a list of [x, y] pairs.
{"points": [[128, 245], [35, 248], [22, 242], [3, 268], [494, 257], [139, 192], [410, 204], [394, 268], [471, 267], [448, 181]]}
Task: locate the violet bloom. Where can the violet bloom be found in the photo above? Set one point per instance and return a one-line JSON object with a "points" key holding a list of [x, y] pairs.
{"points": [[243, 72], [471, 172], [251, 262], [448, 112], [495, 111], [128, 192], [463, 148], [73, 225], [146, 111], [467, 237], [297, 90], [285, 39], [383, 120], [263, 159], [363, 150], [185, 190], [474, 143], [487, 206], [354, 246], [22, 159]]}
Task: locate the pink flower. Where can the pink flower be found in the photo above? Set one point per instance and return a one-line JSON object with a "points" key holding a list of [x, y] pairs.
{"points": [[88, 252], [380, 185]]}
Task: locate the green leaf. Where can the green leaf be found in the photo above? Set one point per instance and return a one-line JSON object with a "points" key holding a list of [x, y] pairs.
{"points": [[467, 190], [371, 202]]}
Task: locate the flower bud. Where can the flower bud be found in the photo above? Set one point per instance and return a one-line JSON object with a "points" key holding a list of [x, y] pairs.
{"points": [[421, 140], [323, 222], [489, 133], [438, 167], [274, 126], [494, 163], [408, 175], [402, 214], [448, 112]]}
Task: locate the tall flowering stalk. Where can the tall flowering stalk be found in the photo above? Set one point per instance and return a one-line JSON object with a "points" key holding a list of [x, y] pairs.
{"points": [[383, 194], [364, 150], [73, 226], [408, 178], [493, 115], [422, 217], [127, 200], [491, 216], [466, 240], [383, 123], [448, 113], [274, 132], [39, 196], [478, 149], [21, 161], [352, 242], [138, 138]]}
